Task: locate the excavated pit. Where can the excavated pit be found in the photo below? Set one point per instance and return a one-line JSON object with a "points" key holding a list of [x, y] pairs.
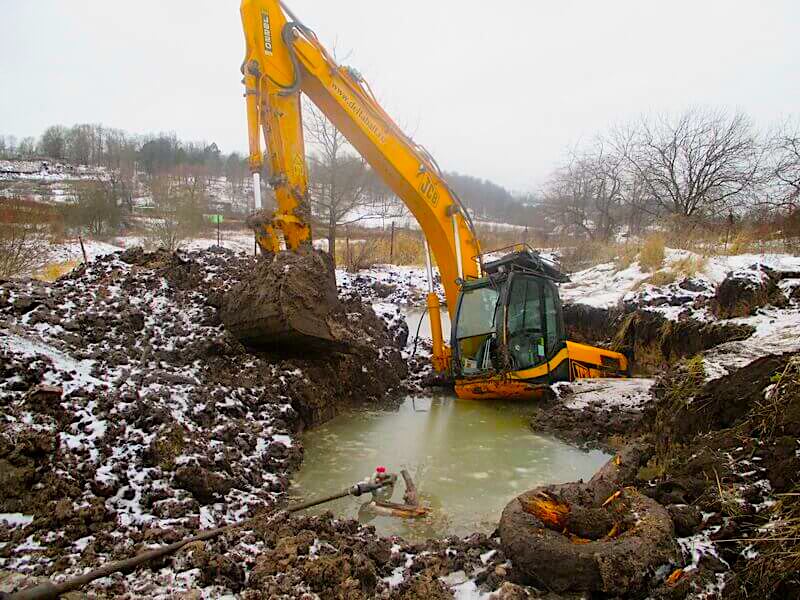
{"points": [[124, 338], [649, 340]]}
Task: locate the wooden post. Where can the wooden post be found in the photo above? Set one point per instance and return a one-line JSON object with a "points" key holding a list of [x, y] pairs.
{"points": [[391, 245], [83, 250], [410, 497], [347, 247]]}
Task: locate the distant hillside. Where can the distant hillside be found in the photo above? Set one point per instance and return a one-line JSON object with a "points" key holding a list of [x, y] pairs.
{"points": [[488, 201]]}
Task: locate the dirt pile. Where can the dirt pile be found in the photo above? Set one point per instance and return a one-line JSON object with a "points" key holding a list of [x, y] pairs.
{"points": [[657, 326], [154, 421], [336, 559], [652, 342], [603, 413], [744, 291], [722, 455]]}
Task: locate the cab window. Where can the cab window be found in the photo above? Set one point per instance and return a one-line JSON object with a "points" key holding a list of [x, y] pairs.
{"points": [[551, 316], [476, 329], [525, 331]]}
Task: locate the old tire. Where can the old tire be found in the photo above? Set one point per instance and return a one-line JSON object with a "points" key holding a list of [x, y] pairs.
{"points": [[549, 559]]}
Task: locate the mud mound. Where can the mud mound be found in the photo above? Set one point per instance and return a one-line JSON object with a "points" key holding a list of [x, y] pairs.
{"points": [[131, 416], [589, 324], [742, 292], [649, 339], [723, 449], [290, 302], [721, 403]]}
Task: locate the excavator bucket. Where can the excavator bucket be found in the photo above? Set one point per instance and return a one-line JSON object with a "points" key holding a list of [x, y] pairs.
{"points": [[287, 305]]}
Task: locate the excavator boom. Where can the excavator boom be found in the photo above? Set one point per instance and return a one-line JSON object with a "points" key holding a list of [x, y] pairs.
{"points": [[283, 59]]}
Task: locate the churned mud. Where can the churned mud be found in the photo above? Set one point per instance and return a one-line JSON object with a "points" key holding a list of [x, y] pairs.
{"points": [[132, 417]]}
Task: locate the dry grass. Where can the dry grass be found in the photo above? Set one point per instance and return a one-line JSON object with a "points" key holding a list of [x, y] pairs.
{"points": [[582, 254], [778, 543], [679, 389], [689, 265], [408, 249], [52, 271], [370, 250], [626, 256], [651, 256], [770, 412], [741, 244], [729, 499], [659, 278]]}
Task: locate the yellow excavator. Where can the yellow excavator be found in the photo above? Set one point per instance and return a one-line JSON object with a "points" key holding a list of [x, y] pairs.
{"points": [[508, 338]]}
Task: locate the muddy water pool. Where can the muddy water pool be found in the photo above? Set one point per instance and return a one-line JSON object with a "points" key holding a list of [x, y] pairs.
{"points": [[468, 460], [413, 317]]}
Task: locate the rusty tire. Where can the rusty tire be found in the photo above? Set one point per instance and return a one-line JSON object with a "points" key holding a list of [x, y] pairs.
{"points": [[549, 559]]}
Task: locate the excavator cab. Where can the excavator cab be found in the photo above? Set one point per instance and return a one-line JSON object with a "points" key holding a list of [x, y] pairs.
{"points": [[509, 318], [508, 339]]}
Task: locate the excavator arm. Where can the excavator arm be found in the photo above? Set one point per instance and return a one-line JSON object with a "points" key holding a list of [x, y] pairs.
{"points": [[284, 58]]}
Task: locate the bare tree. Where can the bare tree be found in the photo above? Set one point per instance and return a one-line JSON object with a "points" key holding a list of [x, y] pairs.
{"points": [[180, 202], [696, 163], [586, 194], [24, 242], [26, 147], [96, 210], [785, 168], [53, 142], [338, 178], [23, 249]]}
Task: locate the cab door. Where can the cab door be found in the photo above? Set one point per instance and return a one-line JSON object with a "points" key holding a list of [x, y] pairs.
{"points": [[476, 330], [533, 327]]}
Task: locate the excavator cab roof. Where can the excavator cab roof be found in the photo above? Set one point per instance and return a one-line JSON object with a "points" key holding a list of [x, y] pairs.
{"points": [[526, 260]]}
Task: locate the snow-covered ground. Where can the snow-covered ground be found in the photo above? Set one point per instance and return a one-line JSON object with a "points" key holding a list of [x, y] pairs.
{"points": [[611, 393], [604, 286]]}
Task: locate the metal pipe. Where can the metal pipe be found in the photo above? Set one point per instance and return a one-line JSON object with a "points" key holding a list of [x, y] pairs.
{"points": [[435, 316], [428, 264], [52, 591], [457, 239], [257, 190]]}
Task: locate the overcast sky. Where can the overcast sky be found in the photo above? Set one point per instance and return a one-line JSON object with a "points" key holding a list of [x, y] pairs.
{"points": [[498, 90]]}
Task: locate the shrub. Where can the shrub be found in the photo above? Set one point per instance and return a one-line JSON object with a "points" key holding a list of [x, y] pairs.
{"points": [[651, 256], [626, 257], [167, 233], [360, 254], [96, 210], [23, 249], [741, 244]]}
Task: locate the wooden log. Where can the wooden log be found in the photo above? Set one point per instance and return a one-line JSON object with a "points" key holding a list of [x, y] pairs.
{"points": [[411, 497], [404, 511]]}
